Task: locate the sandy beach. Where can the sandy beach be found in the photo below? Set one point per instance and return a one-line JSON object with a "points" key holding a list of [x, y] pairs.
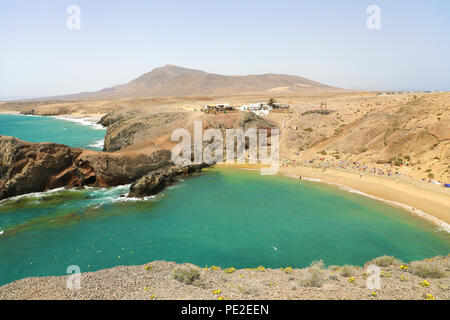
{"points": [[430, 201], [426, 197]]}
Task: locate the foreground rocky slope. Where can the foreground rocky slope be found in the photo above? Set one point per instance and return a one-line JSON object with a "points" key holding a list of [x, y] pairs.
{"points": [[421, 280]]}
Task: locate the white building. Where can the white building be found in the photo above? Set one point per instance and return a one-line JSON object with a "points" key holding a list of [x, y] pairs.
{"points": [[260, 109]]}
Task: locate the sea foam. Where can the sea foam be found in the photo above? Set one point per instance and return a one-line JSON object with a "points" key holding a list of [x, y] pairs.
{"points": [[83, 121]]}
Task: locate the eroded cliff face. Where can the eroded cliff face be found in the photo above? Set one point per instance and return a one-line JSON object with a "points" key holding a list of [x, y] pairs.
{"points": [[130, 127], [30, 167], [117, 169], [36, 167]]}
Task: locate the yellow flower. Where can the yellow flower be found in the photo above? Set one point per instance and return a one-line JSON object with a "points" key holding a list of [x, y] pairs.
{"points": [[287, 269], [403, 267], [260, 268], [153, 297], [424, 283], [221, 298], [148, 267], [214, 268], [351, 279], [217, 291], [430, 297], [374, 293], [229, 270]]}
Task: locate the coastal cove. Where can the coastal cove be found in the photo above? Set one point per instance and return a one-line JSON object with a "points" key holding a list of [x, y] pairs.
{"points": [[222, 217]]}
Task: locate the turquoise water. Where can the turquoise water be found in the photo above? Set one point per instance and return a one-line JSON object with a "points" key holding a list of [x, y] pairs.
{"points": [[49, 129], [221, 217]]}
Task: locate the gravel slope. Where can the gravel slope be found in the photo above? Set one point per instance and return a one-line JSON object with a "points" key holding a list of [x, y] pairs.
{"points": [[156, 281]]}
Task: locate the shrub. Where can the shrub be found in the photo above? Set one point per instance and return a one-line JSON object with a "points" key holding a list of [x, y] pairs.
{"points": [[347, 271], [314, 278], [334, 277], [229, 270], [186, 275], [333, 268], [385, 261], [427, 269], [317, 264]]}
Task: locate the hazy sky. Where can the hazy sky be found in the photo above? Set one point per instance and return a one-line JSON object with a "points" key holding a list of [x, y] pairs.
{"points": [[326, 41]]}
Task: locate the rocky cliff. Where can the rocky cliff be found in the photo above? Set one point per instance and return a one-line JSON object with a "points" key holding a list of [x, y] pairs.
{"points": [[27, 167], [126, 128], [154, 182], [36, 167]]}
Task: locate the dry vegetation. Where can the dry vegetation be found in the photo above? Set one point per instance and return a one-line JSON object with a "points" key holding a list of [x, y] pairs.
{"points": [[422, 280], [411, 132]]}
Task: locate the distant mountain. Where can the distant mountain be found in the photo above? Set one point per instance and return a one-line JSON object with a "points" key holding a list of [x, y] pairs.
{"points": [[176, 81]]}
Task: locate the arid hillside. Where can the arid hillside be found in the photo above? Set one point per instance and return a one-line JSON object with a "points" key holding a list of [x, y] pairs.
{"points": [[408, 132], [174, 81]]}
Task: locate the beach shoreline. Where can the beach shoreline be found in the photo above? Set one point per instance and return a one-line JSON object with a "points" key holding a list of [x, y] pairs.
{"points": [[430, 202], [84, 119]]}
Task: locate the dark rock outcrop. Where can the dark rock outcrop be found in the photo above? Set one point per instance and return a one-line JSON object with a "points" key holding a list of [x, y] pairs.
{"points": [[154, 182], [116, 169], [35, 167]]}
